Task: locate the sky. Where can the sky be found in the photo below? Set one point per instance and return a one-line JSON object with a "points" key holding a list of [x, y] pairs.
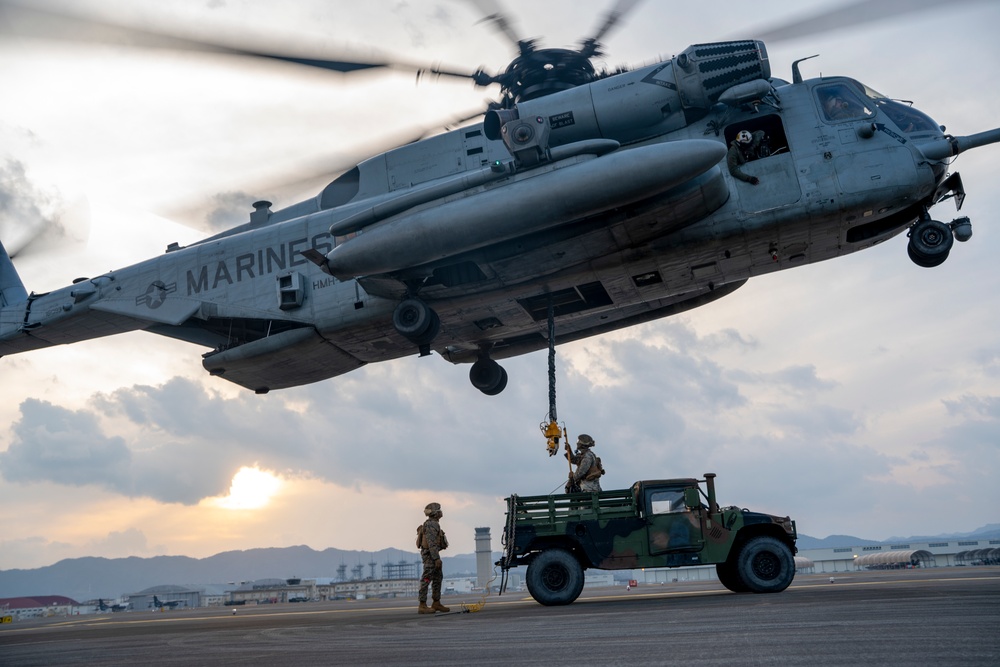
{"points": [[860, 396]]}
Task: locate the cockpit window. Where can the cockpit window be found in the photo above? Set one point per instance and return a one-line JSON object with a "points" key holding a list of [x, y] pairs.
{"points": [[867, 91], [906, 118], [839, 103]]}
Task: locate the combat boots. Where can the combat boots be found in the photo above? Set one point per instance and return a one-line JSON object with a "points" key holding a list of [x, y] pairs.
{"points": [[437, 606], [424, 609]]}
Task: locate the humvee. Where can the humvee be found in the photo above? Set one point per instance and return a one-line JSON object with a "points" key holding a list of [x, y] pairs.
{"points": [[659, 523]]}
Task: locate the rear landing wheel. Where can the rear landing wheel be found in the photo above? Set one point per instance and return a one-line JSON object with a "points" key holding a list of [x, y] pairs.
{"points": [[488, 376]]}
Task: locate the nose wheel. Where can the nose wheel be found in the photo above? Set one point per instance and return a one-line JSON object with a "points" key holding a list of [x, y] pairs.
{"points": [[931, 241]]}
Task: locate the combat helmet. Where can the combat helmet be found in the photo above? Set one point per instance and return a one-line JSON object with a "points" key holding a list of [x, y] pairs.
{"points": [[432, 509], [585, 441]]}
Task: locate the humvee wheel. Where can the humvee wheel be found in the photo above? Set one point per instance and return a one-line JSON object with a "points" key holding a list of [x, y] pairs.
{"points": [[730, 577], [554, 577], [765, 565]]}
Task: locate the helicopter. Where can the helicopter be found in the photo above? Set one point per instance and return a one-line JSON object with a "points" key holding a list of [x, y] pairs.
{"points": [[585, 201]]}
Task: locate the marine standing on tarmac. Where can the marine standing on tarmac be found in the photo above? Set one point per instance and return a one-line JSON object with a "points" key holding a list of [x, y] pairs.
{"points": [[588, 468], [743, 149], [431, 540]]}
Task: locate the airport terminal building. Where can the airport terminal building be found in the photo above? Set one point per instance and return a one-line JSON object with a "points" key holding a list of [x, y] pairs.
{"points": [[938, 553], [886, 555]]}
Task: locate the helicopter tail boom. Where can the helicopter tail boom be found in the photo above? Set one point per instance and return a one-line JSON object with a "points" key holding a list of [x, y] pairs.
{"points": [[13, 297], [12, 290]]}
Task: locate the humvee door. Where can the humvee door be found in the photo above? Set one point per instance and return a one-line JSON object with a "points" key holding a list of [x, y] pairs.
{"points": [[672, 526]]}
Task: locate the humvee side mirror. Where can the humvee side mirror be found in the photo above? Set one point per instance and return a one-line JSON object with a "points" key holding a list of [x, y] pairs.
{"points": [[692, 498]]}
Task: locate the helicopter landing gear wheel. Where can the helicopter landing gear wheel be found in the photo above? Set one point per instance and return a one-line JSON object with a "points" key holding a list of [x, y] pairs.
{"points": [[417, 322], [488, 376], [930, 243]]}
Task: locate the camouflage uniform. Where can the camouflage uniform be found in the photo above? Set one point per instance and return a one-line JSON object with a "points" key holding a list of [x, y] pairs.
{"points": [[586, 464], [432, 543]]}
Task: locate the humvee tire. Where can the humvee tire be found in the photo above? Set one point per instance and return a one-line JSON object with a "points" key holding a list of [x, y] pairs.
{"points": [[765, 565], [730, 577], [554, 577]]}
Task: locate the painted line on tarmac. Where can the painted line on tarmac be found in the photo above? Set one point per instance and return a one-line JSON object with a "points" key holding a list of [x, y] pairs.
{"points": [[658, 594], [893, 582], [105, 622]]}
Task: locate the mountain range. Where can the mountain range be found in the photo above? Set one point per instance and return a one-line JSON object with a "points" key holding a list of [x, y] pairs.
{"points": [[989, 531], [90, 578]]}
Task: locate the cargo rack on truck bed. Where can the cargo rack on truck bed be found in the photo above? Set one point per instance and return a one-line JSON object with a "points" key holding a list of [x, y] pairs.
{"points": [[552, 509]]}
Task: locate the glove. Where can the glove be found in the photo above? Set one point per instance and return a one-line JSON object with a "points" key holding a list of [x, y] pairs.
{"points": [[754, 180], [438, 564]]}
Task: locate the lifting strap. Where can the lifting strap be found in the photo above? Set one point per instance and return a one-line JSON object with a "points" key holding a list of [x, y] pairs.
{"points": [[551, 429]]}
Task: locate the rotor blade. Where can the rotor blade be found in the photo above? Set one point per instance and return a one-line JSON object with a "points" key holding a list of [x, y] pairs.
{"points": [[32, 217], [226, 209], [493, 13], [620, 9], [23, 21], [857, 13], [479, 77], [65, 228]]}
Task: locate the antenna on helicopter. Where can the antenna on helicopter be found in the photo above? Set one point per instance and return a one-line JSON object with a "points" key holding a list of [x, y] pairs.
{"points": [[796, 74]]}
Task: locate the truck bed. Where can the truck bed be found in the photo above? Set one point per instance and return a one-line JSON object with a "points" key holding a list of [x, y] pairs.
{"points": [[541, 510]]}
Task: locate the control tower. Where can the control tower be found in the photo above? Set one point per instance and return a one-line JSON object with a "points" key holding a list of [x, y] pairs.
{"points": [[484, 557]]}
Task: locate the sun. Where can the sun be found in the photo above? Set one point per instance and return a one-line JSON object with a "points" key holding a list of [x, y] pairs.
{"points": [[251, 489]]}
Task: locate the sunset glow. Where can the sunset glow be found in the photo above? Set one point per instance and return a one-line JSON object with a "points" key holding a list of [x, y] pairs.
{"points": [[251, 489]]}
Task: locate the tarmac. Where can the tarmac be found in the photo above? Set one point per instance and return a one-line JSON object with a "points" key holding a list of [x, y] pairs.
{"points": [[944, 616]]}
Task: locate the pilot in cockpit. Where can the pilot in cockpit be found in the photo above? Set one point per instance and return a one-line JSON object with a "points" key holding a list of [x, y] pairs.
{"points": [[838, 104]]}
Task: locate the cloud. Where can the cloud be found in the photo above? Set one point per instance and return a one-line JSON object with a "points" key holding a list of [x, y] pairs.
{"points": [[798, 379], [64, 446], [181, 442], [816, 418], [28, 552], [228, 210], [131, 542], [27, 212], [69, 447], [978, 407]]}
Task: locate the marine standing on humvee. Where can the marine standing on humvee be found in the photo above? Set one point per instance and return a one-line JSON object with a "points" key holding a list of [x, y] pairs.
{"points": [[431, 539], [588, 469]]}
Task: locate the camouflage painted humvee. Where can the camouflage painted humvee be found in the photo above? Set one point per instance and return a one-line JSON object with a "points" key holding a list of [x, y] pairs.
{"points": [[661, 523]]}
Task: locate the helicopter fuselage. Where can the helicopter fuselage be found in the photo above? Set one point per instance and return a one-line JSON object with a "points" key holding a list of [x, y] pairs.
{"points": [[619, 210]]}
